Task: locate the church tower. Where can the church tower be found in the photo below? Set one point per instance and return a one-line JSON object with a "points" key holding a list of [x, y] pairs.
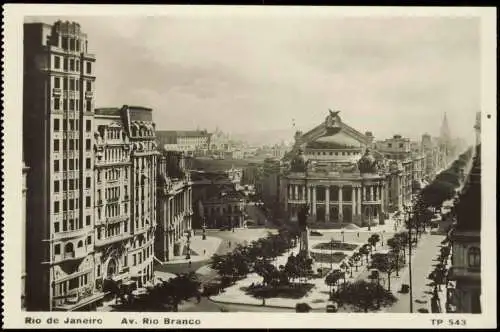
{"points": [[445, 131], [477, 127]]}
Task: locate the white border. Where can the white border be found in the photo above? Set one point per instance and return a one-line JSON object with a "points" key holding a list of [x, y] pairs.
{"points": [[12, 120]]}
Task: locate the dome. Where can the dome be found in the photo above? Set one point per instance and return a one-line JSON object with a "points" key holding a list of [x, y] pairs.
{"points": [[299, 162], [337, 140], [367, 163]]}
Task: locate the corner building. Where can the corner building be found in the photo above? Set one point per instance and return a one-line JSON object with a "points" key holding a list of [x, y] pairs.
{"points": [[125, 182], [58, 104]]}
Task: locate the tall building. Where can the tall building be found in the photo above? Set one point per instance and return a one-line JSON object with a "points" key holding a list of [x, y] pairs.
{"points": [[331, 169], [194, 142], [58, 104], [477, 127], [175, 207], [23, 238], [465, 269], [123, 175]]}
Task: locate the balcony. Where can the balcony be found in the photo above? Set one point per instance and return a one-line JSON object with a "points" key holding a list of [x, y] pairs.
{"points": [[99, 202], [89, 94], [112, 239], [126, 198], [56, 92], [114, 199], [116, 219], [467, 273]]}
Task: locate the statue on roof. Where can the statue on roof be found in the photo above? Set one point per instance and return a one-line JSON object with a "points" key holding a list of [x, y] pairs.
{"points": [[332, 120]]}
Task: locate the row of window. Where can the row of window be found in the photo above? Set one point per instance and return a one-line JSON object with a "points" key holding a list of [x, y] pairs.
{"points": [[71, 224], [71, 84], [70, 184], [71, 105], [69, 43], [71, 64], [70, 204], [73, 164], [62, 288], [73, 144], [72, 124], [323, 153]]}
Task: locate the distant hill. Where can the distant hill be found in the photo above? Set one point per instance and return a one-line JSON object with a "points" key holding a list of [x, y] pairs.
{"points": [[265, 137]]}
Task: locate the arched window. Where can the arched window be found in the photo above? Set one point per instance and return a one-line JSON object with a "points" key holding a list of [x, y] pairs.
{"points": [[80, 244], [474, 257]]}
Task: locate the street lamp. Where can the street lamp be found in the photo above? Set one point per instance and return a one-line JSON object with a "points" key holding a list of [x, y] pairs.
{"points": [[331, 254], [342, 232], [382, 236]]}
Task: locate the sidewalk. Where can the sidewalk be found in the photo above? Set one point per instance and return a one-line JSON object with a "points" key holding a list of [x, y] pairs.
{"points": [[204, 249]]}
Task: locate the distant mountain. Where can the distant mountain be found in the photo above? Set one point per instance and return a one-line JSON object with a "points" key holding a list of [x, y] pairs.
{"points": [[265, 137]]}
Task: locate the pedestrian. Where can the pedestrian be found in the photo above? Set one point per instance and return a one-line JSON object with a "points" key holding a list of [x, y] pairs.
{"points": [[358, 234], [204, 251], [189, 263]]}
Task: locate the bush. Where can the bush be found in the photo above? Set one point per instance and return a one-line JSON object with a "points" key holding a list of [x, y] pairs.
{"points": [[336, 257], [295, 291], [336, 245]]}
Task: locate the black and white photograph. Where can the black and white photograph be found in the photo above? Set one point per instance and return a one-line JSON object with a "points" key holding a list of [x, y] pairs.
{"points": [[251, 162]]}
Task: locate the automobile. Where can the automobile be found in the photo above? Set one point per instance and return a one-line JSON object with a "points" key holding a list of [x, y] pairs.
{"points": [[302, 307], [405, 288], [331, 307], [315, 233]]}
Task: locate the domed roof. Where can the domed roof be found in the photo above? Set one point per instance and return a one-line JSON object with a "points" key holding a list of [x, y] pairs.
{"points": [[338, 140], [367, 163]]}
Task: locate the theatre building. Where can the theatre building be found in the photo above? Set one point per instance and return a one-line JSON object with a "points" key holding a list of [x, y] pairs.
{"points": [[332, 170]]}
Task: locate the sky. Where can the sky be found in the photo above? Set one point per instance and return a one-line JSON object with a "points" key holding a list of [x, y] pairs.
{"points": [[391, 75]]}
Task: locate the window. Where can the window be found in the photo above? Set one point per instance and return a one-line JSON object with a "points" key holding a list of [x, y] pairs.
{"points": [[56, 227], [88, 106], [87, 201], [65, 103], [89, 86], [71, 183], [87, 220], [56, 186], [65, 64], [77, 85], [71, 205], [474, 257], [389, 145], [87, 144], [65, 206], [87, 163], [89, 240], [57, 103], [64, 43], [57, 62], [72, 84], [77, 65], [89, 67], [56, 145], [65, 164], [57, 249], [401, 145], [56, 165], [72, 65], [87, 182], [56, 207], [57, 82], [71, 104], [65, 225], [88, 125], [80, 223]]}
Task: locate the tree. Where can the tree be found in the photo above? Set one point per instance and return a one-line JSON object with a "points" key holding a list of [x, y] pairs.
{"points": [[344, 266], [403, 240], [356, 257], [364, 295], [395, 245], [385, 263], [333, 278], [373, 240], [365, 251]]}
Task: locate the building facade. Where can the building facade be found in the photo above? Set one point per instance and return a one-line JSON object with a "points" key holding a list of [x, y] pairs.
{"points": [[125, 155], [58, 105], [175, 207], [465, 269], [333, 172], [195, 142], [224, 209]]}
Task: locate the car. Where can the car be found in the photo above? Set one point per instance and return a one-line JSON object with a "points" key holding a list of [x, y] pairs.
{"points": [[315, 233], [331, 307], [405, 288]]}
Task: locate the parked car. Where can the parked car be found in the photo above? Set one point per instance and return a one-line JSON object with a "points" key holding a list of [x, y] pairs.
{"points": [[315, 233], [302, 307], [331, 307], [405, 288]]}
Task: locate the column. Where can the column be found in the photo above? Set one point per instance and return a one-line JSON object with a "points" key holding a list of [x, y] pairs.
{"points": [[303, 192], [371, 193], [314, 201], [358, 200], [308, 195], [327, 203], [341, 216], [353, 195], [296, 187], [290, 195]]}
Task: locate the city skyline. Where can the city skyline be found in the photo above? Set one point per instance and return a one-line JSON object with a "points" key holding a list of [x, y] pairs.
{"points": [[417, 72]]}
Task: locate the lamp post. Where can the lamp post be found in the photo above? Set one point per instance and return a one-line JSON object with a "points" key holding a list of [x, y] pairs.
{"points": [[331, 254], [382, 236], [342, 232]]}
